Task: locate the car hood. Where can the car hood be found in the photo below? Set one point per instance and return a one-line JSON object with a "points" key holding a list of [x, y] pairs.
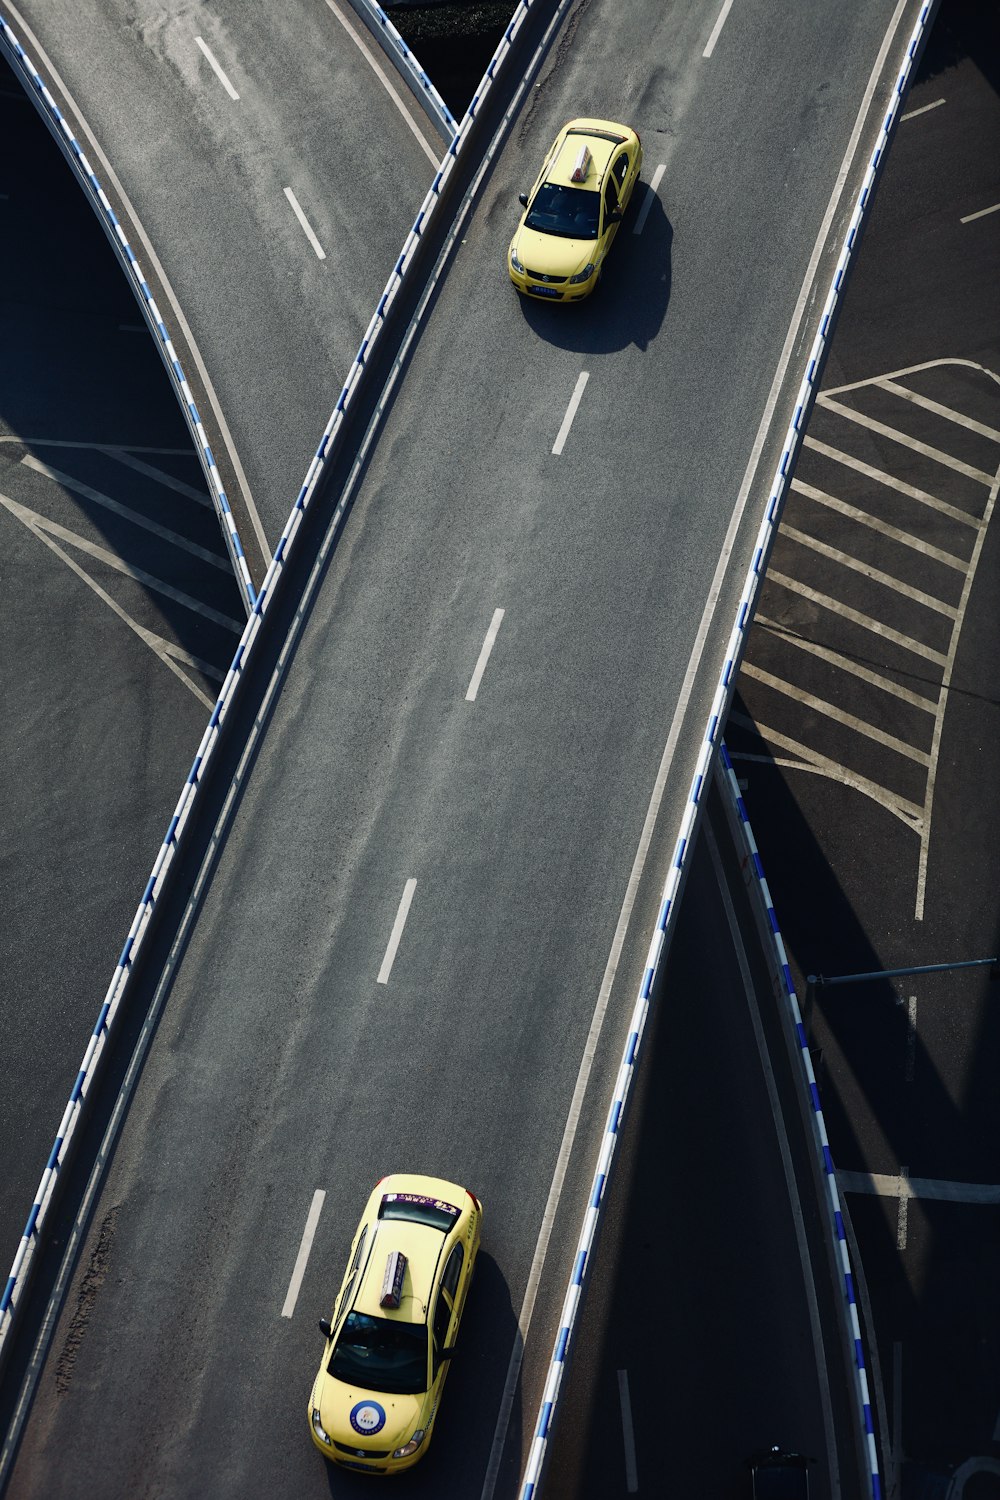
{"points": [[550, 255], [366, 1420]]}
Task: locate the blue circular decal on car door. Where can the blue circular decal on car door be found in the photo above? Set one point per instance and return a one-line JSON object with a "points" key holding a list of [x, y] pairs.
{"points": [[367, 1418]]}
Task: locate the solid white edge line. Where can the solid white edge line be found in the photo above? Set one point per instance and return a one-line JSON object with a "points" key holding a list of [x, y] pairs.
{"points": [[397, 931], [911, 114], [571, 410], [994, 208], [795, 1201], [628, 1434], [484, 656], [216, 69], [84, 131], [649, 199], [680, 714], [723, 13], [302, 1259], [386, 83], [306, 226]]}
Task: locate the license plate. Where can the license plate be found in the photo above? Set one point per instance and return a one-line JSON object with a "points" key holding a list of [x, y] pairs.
{"points": [[543, 291]]}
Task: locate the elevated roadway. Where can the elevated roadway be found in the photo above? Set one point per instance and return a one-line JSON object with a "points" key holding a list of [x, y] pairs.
{"points": [[431, 884], [264, 327]]}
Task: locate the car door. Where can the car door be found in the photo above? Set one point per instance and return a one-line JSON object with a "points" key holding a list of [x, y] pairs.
{"points": [[447, 1310], [609, 224], [622, 170]]}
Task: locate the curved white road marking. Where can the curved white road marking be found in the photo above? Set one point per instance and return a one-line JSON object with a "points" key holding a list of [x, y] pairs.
{"points": [[84, 131], [794, 1199], [385, 81]]}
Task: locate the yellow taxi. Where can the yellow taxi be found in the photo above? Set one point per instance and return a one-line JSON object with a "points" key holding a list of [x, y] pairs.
{"points": [[392, 1332], [572, 214]]}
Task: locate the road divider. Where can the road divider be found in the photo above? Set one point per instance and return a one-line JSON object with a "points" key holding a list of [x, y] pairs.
{"points": [[532, 1477], [55, 119], [12, 1296]]}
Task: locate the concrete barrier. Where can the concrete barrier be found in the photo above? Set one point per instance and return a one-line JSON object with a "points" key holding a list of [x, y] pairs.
{"points": [[400, 55]]}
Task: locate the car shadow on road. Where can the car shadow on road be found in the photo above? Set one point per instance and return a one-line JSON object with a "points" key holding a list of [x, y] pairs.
{"points": [[629, 305], [466, 1423]]}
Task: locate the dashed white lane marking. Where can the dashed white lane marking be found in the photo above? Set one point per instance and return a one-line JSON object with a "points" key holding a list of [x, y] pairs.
{"points": [[39, 522], [864, 518], [571, 410], [168, 651], [855, 565], [628, 1434], [940, 410], [385, 81], [302, 1259], [650, 198], [881, 477], [723, 13], [889, 1185], [993, 209], [160, 475], [216, 69], [911, 114], [877, 627], [902, 1211], [896, 436], [484, 656], [838, 715], [69, 483], [397, 931], [306, 226]]}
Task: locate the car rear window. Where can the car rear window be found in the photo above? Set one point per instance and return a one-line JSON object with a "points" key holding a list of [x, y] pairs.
{"points": [[432, 1212]]}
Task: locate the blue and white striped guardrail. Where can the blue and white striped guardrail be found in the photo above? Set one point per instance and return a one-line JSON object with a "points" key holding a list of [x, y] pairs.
{"points": [[40, 92], [13, 1291], [531, 1479], [405, 60], [731, 790]]}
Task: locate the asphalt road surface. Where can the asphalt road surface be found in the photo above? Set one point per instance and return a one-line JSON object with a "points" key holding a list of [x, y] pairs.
{"points": [[301, 1045], [265, 328], [867, 735], [119, 615]]}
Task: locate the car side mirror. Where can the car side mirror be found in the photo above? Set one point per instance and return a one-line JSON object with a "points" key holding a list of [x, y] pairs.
{"points": [[522, 198], [325, 1329]]}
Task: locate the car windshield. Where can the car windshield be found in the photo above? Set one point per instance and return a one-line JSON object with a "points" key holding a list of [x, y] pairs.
{"points": [[571, 212], [381, 1355]]}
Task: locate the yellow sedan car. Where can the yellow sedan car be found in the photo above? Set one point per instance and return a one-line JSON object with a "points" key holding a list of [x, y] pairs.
{"points": [[394, 1324], [572, 213]]}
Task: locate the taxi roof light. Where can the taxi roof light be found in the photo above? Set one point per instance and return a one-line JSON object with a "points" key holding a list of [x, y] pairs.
{"points": [[392, 1281], [581, 166]]}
